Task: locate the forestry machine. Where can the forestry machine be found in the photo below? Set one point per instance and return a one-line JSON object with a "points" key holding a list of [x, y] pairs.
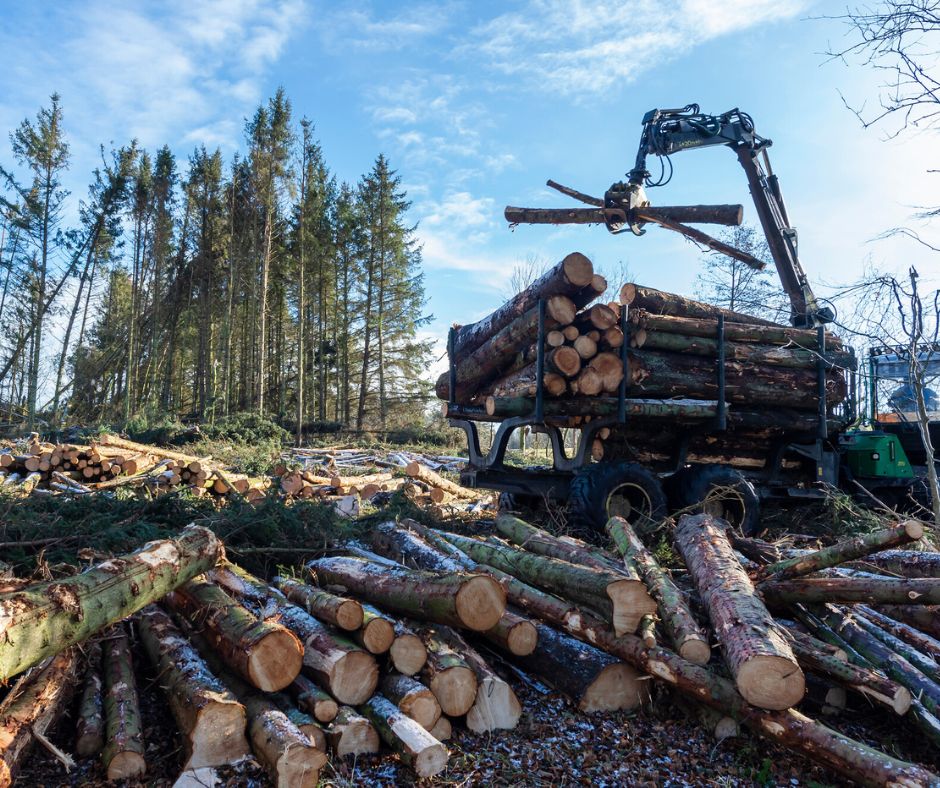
{"points": [[869, 464]]}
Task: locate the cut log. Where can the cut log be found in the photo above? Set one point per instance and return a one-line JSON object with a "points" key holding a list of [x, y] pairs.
{"points": [[647, 631], [265, 653], [352, 734], [442, 729], [755, 649], [926, 618], [848, 590], [32, 707], [847, 550], [623, 598], [407, 653], [402, 544], [470, 601], [514, 634], [524, 384], [571, 333], [658, 302], [588, 384], [313, 700], [208, 713], [555, 338], [574, 551], [412, 698], [421, 472], [450, 678], [123, 753], [924, 643], [377, 633], [592, 679], [924, 663], [336, 610], [567, 360], [89, 727], [599, 317], [567, 278], [674, 612], [495, 706], [45, 618], [609, 367], [416, 747], [305, 723], [684, 214], [903, 563], [677, 410]]}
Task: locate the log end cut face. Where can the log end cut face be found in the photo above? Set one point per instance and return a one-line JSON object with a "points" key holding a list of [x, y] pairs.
{"points": [[355, 677], [496, 708], [480, 603], [218, 738], [616, 688], [378, 635], [522, 639], [349, 615], [631, 601], [408, 654], [275, 660], [770, 682], [455, 689], [695, 650], [357, 737], [299, 767], [127, 765], [578, 268], [423, 708]]}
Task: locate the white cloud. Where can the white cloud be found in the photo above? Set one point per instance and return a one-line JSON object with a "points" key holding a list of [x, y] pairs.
{"points": [[461, 210], [344, 26]]}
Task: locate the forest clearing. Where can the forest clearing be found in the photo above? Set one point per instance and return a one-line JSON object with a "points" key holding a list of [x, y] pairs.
{"points": [[353, 448]]}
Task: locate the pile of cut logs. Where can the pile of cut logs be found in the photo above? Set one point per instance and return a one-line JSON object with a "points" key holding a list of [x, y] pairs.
{"points": [[111, 461], [770, 370], [393, 643]]}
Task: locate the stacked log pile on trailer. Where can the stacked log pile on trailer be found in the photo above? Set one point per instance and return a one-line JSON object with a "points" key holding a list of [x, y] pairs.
{"points": [[672, 347]]}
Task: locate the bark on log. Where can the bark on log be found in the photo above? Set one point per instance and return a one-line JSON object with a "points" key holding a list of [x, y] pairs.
{"points": [[412, 699], [313, 700], [346, 614], [574, 551], [567, 278], [524, 384], [921, 641], [305, 723], [402, 545], [756, 652], [681, 410], [622, 598], [924, 663], [471, 601], [592, 679], [421, 472], [352, 734], [514, 634], [32, 707], [208, 713], [849, 590], [450, 678], [416, 747], [659, 302], [89, 727], [407, 653], [123, 753], [264, 652], [846, 550], [45, 618], [905, 563], [674, 612], [926, 618], [729, 215]]}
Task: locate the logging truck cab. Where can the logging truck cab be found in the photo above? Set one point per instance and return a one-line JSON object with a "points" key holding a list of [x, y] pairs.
{"points": [[696, 465]]}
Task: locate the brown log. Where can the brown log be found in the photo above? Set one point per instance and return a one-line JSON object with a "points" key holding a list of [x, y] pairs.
{"points": [[421, 472], [849, 590], [586, 348], [313, 700], [377, 632], [514, 634], [588, 384], [89, 728], [609, 368], [571, 333], [555, 338], [416, 747], [450, 678], [412, 698], [442, 729], [524, 383], [352, 734], [659, 302], [407, 653], [567, 360], [729, 215], [340, 611], [756, 651]]}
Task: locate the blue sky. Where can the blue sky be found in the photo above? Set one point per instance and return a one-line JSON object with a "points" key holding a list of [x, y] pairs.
{"points": [[478, 103]]}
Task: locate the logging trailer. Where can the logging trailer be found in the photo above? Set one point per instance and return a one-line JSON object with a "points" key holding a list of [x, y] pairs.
{"points": [[673, 453]]}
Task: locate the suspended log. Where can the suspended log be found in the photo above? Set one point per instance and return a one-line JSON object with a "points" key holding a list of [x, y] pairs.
{"points": [[264, 652], [848, 590], [684, 214], [336, 610], [756, 652], [495, 706], [412, 699], [407, 653], [450, 678], [623, 598], [846, 550], [89, 727], [592, 679], [32, 707], [659, 302], [674, 612], [416, 747], [313, 700], [45, 618], [470, 601], [209, 715], [352, 734], [123, 753], [567, 278]]}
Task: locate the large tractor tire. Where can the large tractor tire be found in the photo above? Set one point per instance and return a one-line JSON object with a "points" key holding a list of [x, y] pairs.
{"points": [[719, 491], [625, 489]]}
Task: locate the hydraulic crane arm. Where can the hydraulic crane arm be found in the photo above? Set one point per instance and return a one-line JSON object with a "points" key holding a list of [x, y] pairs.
{"points": [[668, 131]]}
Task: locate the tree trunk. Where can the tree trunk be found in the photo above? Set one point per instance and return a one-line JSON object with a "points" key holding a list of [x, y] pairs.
{"points": [[659, 302], [123, 753], [415, 746], [45, 618], [904, 563], [313, 700], [89, 727], [32, 707], [674, 612], [412, 699], [673, 410], [339, 611], [377, 632], [407, 653], [495, 706], [567, 278], [846, 550], [624, 600], [729, 215], [352, 734], [470, 601], [849, 590], [592, 679], [921, 641], [757, 653], [265, 653], [923, 662], [408, 547], [574, 551], [209, 715], [448, 675]]}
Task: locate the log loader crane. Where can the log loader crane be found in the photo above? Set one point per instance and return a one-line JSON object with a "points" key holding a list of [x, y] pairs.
{"points": [[869, 464]]}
